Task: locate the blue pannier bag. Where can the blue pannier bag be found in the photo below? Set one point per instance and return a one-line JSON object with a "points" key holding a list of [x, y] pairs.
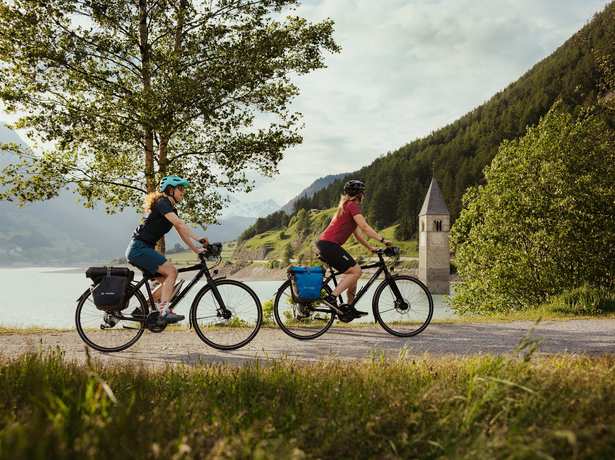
{"points": [[306, 282]]}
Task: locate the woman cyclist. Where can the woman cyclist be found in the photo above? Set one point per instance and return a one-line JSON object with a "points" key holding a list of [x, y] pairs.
{"points": [[348, 220], [161, 217]]}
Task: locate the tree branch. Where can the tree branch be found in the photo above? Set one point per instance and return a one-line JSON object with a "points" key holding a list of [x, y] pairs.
{"points": [[125, 63]]}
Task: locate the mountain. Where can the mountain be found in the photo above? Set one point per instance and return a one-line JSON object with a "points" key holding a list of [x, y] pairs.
{"points": [[457, 153], [253, 209], [229, 229], [308, 192]]}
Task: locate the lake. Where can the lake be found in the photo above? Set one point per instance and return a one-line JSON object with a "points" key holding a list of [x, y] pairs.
{"points": [[47, 297]]}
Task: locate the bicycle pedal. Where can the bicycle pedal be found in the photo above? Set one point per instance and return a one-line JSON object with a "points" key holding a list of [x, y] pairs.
{"points": [[345, 318], [153, 319]]}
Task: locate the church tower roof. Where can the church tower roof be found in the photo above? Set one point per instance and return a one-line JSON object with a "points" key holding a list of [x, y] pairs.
{"points": [[434, 201]]}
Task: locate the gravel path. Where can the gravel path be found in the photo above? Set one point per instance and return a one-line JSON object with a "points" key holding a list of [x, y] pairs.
{"points": [[184, 347]]}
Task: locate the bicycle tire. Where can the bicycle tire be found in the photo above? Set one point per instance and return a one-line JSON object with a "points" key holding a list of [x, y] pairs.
{"points": [[377, 312], [90, 342], [199, 330], [286, 330]]}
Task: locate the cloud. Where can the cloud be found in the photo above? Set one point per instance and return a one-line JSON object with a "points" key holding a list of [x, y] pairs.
{"points": [[408, 67]]}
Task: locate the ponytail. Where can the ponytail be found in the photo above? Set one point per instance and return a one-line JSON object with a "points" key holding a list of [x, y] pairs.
{"points": [[343, 200], [151, 199]]}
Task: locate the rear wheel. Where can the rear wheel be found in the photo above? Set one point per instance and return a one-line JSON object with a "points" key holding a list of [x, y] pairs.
{"points": [[403, 306], [302, 321], [230, 326], [114, 331]]}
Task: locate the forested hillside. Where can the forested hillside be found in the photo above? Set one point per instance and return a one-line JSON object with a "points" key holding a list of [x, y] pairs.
{"points": [[458, 153]]}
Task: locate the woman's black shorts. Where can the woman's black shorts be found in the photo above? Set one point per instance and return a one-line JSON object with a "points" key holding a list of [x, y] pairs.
{"points": [[335, 255]]}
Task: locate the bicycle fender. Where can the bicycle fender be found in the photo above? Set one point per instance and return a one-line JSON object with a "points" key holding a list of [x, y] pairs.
{"points": [[82, 296]]}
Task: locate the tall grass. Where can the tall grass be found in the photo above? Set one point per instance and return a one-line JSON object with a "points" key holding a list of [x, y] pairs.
{"points": [[480, 407], [584, 300]]}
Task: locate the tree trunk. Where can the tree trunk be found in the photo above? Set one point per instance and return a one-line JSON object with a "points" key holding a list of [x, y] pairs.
{"points": [[164, 138], [148, 131], [162, 169]]}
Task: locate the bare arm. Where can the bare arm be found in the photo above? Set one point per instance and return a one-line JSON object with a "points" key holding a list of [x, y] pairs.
{"points": [[357, 234], [184, 231], [366, 228]]}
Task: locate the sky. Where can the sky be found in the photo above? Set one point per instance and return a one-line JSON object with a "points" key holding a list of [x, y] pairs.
{"points": [[407, 68]]}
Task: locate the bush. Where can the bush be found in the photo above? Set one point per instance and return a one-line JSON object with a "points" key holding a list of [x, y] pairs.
{"points": [[268, 312], [274, 264], [543, 222]]}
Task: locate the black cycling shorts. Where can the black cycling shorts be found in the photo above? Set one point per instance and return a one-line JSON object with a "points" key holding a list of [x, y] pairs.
{"points": [[335, 255]]}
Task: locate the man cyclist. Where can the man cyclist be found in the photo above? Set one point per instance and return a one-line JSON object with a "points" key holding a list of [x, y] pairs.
{"points": [[161, 217], [348, 220]]}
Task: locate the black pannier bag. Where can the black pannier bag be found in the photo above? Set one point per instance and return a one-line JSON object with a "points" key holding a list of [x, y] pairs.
{"points": [[110, 286]]}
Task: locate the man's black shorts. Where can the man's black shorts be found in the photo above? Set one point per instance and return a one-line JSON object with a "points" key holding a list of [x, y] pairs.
{"points": [[335, 255]]}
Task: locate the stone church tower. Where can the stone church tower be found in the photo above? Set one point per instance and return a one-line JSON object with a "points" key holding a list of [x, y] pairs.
{"points": [[434, 255]]}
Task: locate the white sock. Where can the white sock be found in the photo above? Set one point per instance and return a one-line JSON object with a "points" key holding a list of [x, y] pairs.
{"points": [[163, 307]]}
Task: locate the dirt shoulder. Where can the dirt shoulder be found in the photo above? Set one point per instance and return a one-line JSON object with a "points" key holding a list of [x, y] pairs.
{"points": [[183, 347]]}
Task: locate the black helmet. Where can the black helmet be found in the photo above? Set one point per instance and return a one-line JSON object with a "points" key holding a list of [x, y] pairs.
{"points": [[354, 187]]}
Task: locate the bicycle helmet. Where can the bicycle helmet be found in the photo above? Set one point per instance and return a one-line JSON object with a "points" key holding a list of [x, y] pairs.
{"points": [[173, 181], [354, 187]]}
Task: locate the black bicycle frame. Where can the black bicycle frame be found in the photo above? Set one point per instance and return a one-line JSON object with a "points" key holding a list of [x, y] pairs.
{"points": [[382, 267], [203, 271]]}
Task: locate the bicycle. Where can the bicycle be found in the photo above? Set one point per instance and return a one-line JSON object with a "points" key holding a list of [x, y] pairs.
{"points": [[401, 304], [225, 314]]}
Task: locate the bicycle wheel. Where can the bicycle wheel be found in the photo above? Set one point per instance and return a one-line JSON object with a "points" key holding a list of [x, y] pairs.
{"points": [[110, 332], [221, 331], [405, 316], [303, 322]]}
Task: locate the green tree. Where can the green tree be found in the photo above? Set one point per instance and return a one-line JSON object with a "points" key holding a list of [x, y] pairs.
{"points": [[303, 226], [544, 222], [123, 93], [405, 230], [288, 253]]}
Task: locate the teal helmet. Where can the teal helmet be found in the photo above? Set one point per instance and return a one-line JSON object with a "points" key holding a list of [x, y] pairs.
{"points": [[173, 181]]}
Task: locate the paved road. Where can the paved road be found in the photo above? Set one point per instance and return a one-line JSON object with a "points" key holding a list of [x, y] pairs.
{"points": [[184, 347]]}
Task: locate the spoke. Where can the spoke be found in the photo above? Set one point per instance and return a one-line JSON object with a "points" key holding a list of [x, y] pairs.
{"points": [[206, 317]]}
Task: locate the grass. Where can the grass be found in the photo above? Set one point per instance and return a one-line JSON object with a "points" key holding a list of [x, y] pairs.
{"points": [[584, 302], [480, 407]]}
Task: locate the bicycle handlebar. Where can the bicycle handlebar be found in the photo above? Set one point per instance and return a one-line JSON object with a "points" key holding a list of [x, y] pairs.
{"points": [[389, 251], [211, 250]]}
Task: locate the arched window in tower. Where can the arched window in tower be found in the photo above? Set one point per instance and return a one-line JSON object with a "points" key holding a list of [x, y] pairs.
{"points": [[422, 226], [437, 225]]}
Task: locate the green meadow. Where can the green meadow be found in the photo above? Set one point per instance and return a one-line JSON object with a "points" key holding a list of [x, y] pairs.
{"points": [[479, 407]]}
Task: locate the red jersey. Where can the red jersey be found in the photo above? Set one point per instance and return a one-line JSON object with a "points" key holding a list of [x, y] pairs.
{"points": [[342, 226]]}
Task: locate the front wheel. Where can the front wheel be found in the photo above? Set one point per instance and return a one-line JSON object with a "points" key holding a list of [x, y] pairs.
{"points": [[229, 320], [403, 306]]}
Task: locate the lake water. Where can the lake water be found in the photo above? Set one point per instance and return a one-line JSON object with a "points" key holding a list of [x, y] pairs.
{"points": [[47, 297]]}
